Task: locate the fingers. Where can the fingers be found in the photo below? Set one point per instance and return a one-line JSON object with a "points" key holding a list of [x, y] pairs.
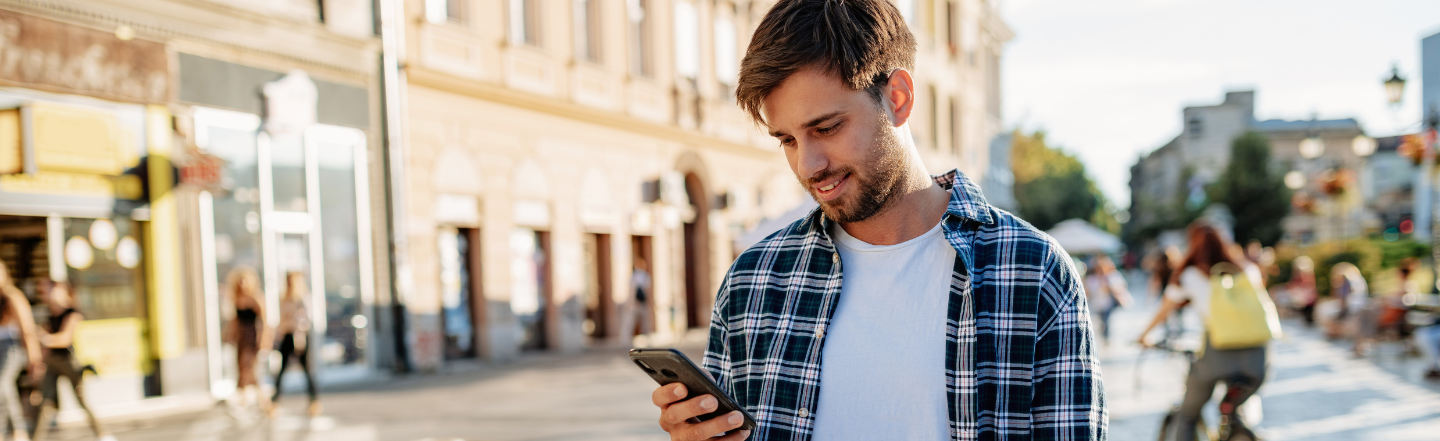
{"points": [[670, 393], [716, 426], [679, 413]]}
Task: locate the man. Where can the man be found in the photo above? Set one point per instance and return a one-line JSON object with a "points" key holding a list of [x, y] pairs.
{"points": [[905, 307]]}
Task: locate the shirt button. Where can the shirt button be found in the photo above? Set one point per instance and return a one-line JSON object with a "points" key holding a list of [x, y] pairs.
{"points": [[804, 413], [835, 257], [820, 331]]}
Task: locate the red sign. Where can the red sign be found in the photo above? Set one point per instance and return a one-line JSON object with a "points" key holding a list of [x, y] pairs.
{"points": [[203, 170]]}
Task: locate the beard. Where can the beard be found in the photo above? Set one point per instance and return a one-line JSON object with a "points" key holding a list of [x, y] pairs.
{"points": [[885, 172]]}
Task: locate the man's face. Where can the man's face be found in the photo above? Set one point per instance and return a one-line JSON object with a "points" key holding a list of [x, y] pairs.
{"points": [[839, 143]]}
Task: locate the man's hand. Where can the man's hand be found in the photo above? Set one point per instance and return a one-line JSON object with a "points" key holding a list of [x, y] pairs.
{"points": [[678, 417]]}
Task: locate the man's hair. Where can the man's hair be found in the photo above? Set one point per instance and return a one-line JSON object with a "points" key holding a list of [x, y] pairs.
{"points": [[861, 41]]}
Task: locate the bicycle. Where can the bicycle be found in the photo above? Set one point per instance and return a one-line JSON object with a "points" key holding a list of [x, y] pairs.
{"points": [[1230, 427]]}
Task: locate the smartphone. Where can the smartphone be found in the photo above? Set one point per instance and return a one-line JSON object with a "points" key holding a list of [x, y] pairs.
{"points": [[667, 366]]}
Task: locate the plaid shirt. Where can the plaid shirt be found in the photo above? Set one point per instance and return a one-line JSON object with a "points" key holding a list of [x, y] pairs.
{"points": [[1019, 347]]}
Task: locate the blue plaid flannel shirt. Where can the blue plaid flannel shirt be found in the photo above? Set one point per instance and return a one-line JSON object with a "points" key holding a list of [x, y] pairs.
{"points": [[1019, 347]]}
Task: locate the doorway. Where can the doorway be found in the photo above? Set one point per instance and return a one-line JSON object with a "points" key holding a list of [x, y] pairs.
{"points": [[600, 322], [642, 261], [530, 279], [697, 256], [463, 305]]}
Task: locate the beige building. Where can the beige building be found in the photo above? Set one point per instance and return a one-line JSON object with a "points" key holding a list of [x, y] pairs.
{"points": [[266, 112], [549, 143]]}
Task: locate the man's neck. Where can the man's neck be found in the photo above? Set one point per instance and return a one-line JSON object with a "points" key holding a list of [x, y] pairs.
{"points": [[917, 209]]}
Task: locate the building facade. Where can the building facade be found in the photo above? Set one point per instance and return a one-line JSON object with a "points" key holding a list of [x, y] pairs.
{"points": [[1173, 178], [553, 145], [159, 146]]}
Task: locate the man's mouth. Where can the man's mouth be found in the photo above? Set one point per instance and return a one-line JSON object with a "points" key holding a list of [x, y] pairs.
{"points": [[827, 190]]}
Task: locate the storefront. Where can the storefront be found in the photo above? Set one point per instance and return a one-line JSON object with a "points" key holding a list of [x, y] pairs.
{"points": [[292, 197], [84, 197]]}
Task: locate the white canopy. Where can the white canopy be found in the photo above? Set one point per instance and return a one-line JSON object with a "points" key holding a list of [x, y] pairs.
{"points": [[1080, 237]]}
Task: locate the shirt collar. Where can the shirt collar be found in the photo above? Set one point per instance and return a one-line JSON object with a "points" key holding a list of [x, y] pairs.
{"points": [[966, 202]]}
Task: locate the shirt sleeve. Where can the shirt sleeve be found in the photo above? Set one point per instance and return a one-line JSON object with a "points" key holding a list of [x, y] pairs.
{"points": [[717, 351], [1069, 396]]}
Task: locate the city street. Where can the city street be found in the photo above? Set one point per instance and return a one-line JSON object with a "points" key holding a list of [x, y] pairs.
{"points": [[1316, 392]]}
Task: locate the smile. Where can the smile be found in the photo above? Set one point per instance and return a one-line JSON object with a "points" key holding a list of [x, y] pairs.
{"points": [[828, 190]]}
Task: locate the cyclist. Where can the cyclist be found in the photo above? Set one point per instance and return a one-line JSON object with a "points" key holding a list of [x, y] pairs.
{"points": [[1242, 369]]}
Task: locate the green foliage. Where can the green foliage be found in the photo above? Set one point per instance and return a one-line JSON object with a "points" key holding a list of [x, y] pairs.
{"points": [[1254, 191], [1052, 186]]}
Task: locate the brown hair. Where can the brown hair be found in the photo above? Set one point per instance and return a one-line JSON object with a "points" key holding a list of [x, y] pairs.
{"points": [[860, 40], [1207, 247]]}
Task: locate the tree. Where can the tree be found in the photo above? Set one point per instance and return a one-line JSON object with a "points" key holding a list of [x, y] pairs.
{"points": [[1052, 186], [1254, 191]]}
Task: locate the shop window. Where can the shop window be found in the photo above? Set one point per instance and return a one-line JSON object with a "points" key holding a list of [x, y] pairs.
{"points": [[530, 284], [457, 288]]}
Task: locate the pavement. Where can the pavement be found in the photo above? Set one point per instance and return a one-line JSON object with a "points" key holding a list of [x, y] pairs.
{"points": [[1316, 391]]}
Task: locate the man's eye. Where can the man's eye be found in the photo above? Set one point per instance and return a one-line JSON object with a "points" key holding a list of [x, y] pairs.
{"points": [[828, 130], [787, 141]]}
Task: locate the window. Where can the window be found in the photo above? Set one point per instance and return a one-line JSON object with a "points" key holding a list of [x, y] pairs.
{"points": [[525, 22], [445, 11], [727, 66], [1194, 126], [588, 38], [955, 125], [952, 28], [687, 40], [639, 20], [907, 10], [934, 119]]}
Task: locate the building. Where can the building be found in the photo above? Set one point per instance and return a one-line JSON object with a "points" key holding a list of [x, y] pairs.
{"points": [[153, 146], [1173, 178], [550, 145]]}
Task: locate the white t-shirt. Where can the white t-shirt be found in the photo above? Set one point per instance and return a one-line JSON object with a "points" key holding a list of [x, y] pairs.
{"points": [[1195, 286], [882, 370]]}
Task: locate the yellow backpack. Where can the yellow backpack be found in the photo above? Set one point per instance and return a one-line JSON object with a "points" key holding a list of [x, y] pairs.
{"points": [[1241, 314]]}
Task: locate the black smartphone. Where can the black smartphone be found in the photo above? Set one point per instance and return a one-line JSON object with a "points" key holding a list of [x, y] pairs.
{"points": [[667, 366]]}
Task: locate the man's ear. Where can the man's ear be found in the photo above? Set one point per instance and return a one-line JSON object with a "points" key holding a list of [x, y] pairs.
{"points": [[898, 98]]}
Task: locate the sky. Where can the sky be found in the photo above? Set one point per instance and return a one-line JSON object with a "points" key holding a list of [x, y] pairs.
{"points": [[1107, 79]]}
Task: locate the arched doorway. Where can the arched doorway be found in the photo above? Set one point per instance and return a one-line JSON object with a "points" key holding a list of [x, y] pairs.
{"points": [[697, 255]]}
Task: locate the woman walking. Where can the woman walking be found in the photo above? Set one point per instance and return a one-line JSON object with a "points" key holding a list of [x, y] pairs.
{"points": [[293, 329], [1242, 369], [248, 333], [60, 360], [19, 348], [1106, 290]]}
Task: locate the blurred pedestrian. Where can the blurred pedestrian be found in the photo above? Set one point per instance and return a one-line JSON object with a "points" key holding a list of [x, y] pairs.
{"points": [[19, 349], [1162, 268], [1428, 340], [249, 333], [637, 315], [293, 329], [1106, 290], [1351, 294], [1301, 289], [60, 360], [1242, 369]]}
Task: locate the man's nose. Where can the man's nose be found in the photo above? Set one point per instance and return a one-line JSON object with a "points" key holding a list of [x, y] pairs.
{"points": [[812, 160]]}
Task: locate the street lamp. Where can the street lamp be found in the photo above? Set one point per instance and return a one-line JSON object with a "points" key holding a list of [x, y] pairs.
{"points": [[1294, 180], [1395, 86]]}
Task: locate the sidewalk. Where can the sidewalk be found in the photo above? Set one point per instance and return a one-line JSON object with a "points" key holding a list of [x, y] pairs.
{"points": [[1316, 389]]}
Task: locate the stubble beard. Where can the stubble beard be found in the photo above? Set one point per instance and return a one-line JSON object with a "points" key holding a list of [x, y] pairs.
{"points": [[876, 186]]}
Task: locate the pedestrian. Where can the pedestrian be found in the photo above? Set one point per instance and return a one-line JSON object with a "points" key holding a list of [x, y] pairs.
{"points": [[249, 333], [1162, 266], [1427, 338], [60, 361], [904, 306], [1106, 289], [1242, 369], [636, 319], [1351, 294], [1301, 289], [294, 330], [19, 349]]}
